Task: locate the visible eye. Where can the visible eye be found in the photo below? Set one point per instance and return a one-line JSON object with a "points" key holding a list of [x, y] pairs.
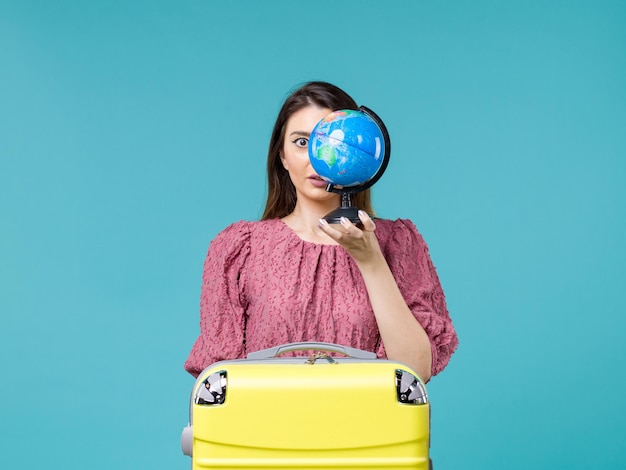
{"points": [[301, 142]]}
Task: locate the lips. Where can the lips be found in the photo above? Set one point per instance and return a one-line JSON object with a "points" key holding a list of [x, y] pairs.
{"points": [[317, 181]]}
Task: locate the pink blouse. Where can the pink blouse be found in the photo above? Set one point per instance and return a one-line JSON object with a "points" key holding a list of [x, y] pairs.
{"points": [[264, 286]]}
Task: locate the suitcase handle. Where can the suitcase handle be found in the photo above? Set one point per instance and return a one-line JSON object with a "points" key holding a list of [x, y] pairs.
{"points": [[304, 346]]}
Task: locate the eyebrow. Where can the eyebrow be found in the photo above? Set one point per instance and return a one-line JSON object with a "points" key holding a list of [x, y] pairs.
{"points": [[302, 133]]}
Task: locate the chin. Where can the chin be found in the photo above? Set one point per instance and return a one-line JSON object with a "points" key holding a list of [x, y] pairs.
{"points": [[321, 195]]}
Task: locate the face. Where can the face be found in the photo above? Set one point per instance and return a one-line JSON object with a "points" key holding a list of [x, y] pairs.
{"points": [[295, 155]]}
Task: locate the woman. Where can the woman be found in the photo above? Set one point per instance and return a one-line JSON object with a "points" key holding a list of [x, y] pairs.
{"points": [[293, 277]]}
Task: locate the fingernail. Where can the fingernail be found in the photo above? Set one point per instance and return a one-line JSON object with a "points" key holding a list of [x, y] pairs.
{"points": [[322, 222], [362, 213], [344, 220]]}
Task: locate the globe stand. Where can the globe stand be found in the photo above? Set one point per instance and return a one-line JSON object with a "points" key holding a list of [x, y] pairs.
{"points": [[347, 210]]}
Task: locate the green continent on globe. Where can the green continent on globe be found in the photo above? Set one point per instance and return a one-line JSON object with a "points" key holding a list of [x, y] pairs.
{"points": [[327, 155]]}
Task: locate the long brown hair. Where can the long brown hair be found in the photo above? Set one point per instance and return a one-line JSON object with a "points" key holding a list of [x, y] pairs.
{"points": [[281, 193]]}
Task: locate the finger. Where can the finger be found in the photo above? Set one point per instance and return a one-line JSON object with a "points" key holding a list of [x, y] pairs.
{"points": [[346, 224], [329, 229], [366, 220]]}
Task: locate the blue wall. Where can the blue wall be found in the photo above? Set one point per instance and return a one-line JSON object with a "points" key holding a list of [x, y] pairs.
{"points": [[131, 132]]}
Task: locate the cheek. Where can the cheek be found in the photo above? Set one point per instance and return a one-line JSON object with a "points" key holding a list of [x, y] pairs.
{"points": [[294, 159]]}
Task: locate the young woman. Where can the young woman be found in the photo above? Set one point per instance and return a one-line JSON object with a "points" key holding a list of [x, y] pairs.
{"points": [[293, 277]]}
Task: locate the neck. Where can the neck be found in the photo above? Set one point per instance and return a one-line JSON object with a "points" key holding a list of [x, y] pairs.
{"points": [[305, 218]]}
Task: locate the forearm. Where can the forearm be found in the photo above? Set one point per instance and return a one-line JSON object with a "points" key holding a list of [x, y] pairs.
{"points": [[404, 338]]}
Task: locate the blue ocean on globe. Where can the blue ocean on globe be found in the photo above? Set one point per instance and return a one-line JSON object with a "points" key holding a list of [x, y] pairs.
{"points": [[346, 148]]}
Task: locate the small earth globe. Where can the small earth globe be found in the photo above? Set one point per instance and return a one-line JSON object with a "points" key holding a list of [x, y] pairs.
{"points": [[347, 148]]}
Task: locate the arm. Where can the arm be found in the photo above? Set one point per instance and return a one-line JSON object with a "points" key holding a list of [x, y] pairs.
{"points": [[222, 322], [404, 337]]}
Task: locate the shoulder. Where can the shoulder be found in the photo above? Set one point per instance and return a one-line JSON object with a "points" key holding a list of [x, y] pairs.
{"points": [[241, 234], [396, 224], [398, 232], [234, 234]]}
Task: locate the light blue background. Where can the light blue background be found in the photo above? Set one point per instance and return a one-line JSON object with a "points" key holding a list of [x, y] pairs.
{"points": [[131, 132]]}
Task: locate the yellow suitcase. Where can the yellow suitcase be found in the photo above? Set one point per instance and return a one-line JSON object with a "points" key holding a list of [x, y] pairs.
{"points": [[312, 411]]}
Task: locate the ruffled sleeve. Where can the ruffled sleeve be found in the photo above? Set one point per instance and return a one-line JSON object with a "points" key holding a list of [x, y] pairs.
{"points": [[222, 308], [409, 260]]}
